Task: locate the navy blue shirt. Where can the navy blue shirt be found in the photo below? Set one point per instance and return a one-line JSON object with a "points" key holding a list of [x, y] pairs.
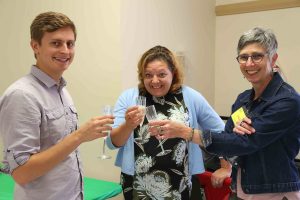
{"points": [[266, 158]]}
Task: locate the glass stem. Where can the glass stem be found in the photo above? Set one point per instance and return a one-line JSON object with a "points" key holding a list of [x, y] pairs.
{"points": [[103, 150], [161, 146]]}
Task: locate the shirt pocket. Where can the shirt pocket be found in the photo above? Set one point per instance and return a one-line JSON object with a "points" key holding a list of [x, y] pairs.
{"points": [[74, 117], [56, 123]]}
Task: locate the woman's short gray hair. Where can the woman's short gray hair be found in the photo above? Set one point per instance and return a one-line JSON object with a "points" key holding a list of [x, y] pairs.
{"points": [[265, 37]]}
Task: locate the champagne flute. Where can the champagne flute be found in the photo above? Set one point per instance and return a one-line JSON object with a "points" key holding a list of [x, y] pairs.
{"points": [[107, 110], [141, 102], [152, 115]]}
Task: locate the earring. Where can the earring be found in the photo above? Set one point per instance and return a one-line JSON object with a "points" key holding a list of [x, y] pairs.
{"points": [[275, 68]]}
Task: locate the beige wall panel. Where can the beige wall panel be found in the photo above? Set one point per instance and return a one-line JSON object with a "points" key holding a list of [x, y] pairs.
{"points": [[183, 27]]}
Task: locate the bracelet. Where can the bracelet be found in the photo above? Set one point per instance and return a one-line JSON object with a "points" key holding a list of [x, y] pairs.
{"points": [[191, 134]]}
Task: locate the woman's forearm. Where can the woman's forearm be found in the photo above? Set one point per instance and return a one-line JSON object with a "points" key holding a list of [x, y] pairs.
{"points": [[120, 135], [197, 137]]}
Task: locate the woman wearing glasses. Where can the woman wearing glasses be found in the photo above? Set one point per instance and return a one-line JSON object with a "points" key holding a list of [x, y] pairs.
{"points": [[265, 138]]}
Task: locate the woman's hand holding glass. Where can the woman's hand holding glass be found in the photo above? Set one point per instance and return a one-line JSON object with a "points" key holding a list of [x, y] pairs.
{"points": [[134, 116], [151, 115], [168, 129], [141, 102]]}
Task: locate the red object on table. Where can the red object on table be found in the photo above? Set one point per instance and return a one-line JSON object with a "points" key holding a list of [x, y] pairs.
{"points": [[212, 193]]}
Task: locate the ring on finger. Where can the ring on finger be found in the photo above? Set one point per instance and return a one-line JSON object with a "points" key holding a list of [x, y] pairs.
{"points": [[242, 124], [161, 131], [158, 129]]}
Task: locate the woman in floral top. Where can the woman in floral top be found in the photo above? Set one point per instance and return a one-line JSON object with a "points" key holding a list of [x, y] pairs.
{"points": [[147, 173]]}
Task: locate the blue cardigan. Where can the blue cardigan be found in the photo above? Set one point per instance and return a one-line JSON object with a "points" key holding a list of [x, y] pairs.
{"points": [[201, 116]]}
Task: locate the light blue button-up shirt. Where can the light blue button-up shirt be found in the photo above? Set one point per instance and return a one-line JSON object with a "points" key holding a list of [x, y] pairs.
{"points": [[35, 114]]}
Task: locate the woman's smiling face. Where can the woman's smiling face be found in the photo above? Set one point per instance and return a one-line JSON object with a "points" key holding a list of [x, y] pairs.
{"points": [[257, 73], [158, 78]]}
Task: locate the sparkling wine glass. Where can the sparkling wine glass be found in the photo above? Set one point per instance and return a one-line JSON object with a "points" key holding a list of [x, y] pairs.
{"points": [[152, 115], [106, 110], [141, 102]]}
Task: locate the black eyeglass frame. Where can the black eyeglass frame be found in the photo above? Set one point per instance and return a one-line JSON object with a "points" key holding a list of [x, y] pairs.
{"points": [[262, 55]]}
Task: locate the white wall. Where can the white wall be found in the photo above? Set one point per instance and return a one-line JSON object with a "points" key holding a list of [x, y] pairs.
{"points": [[91, 77], [229, 81], [182, 27]]}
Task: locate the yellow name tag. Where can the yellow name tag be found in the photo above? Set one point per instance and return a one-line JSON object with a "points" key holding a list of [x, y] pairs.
{"points": [[238, 115]]}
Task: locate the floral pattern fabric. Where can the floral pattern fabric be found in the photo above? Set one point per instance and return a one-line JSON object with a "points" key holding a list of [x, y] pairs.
{"points": [[161, 167]]}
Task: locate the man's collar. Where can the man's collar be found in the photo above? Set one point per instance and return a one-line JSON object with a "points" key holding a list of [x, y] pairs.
{"points": [[45, 78]]}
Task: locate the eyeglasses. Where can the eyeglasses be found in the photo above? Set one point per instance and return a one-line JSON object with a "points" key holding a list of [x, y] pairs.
{"points": [[256, 58]]}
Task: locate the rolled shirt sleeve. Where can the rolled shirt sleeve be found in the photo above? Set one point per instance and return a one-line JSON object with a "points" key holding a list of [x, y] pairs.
{"points": [[20, 121]]}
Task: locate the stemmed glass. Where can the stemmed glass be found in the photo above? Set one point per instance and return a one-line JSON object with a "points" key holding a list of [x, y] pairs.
{"points": [[141, 102], [151, 115], [107, 110]]}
